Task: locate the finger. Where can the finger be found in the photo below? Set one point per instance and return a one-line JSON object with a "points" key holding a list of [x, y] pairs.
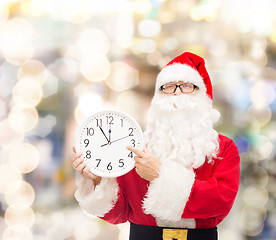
{"points": [[80, 168], [136, 151], [86, 171], [74, 149], [77, 162], [76, 156], [138, 159], [137, 165], [138, 171]]}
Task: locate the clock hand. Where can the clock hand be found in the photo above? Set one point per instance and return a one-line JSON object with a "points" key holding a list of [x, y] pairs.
{"points": [[115, 140], [109, 133], [119, 139], [104, 134]]}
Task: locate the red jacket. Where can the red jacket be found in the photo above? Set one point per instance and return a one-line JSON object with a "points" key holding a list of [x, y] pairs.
{"points": [[210, 198]]}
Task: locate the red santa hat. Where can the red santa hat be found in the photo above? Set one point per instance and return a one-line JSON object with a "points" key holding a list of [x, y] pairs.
{"points": [[186, 67]]}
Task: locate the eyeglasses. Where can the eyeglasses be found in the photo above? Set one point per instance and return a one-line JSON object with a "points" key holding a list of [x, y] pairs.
{"points": [[169, 88]]}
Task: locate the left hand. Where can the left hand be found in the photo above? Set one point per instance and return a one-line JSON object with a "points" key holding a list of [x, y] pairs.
{"points": [[147, 165]]}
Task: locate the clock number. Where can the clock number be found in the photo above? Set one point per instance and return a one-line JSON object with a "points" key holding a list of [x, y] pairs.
{"points": [[99, 122], [90, 131], [99, 160], [131, 131], [133, 142], [109, 166], [88, 154], [122, 122], [109, 119], [130, 155], [86, 142], [121, 162]]}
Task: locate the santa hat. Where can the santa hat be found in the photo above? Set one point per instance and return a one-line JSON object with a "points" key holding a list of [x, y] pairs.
{"points": [[186, 67]]}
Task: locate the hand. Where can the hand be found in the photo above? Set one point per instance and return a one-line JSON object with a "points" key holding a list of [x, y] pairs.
{"points": [[147, 165], [83, 169]]}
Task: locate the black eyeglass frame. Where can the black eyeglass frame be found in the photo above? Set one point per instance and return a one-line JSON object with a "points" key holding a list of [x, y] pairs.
{"points": [[176, 86]]}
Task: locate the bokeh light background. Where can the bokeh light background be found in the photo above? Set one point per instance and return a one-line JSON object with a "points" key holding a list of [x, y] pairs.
{"points": [[63, 60]]}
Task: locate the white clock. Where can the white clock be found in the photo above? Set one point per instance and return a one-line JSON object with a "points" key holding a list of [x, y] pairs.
{"points": [[103, 137]]}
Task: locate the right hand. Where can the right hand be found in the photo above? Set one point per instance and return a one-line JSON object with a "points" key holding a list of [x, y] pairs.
{"points": [[83, 169]]}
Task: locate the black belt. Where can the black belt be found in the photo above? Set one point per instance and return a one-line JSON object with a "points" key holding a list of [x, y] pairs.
{"points": [[142, 232]]}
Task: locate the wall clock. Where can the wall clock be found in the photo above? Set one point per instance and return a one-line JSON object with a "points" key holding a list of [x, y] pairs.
{"points": [[103, 137]]}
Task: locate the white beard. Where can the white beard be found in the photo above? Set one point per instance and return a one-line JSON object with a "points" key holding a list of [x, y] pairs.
{"points": [[180, 129]]}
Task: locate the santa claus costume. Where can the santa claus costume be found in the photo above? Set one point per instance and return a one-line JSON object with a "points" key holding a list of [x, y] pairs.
{"points": [[199, 174]]}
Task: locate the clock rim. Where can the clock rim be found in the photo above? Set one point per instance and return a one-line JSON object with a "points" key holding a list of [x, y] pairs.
{"points": [[139, 129]]}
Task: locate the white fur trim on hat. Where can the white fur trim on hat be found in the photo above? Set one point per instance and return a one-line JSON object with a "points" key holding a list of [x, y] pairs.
{"points": [[100, 200], [180, 72], [168, 194]]}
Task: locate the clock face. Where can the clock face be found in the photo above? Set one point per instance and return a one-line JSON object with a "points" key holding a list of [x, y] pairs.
{"points": [[103, 137]]}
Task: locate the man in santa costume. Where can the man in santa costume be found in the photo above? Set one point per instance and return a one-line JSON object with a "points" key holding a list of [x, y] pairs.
{"points": [[186, 179]]}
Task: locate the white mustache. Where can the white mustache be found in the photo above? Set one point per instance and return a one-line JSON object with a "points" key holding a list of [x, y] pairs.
{"points": [[174, 103]]}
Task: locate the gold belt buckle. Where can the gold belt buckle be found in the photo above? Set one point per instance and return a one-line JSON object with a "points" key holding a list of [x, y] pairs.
{"points": [[178, 234]]}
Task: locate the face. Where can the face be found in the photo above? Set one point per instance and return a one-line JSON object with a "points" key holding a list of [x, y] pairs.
{"points": [[189, 88]]}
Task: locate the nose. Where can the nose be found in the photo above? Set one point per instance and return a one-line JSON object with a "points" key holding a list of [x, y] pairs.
{"points": [[177, 91]]}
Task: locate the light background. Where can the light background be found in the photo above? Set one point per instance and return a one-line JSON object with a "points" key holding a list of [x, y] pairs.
{"points": [[61, 60]]}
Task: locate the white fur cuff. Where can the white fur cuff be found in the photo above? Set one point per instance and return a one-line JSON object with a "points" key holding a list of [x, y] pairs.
{"points": [[100, 200], [168, 194]]}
